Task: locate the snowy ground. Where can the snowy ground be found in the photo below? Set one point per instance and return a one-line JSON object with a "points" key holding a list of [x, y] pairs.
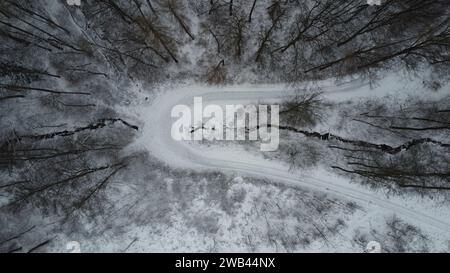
{"points": [[430, 216], [230, 197], [88, 156]]}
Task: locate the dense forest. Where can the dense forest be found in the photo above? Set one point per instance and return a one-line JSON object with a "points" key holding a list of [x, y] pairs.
{"points": [[67, 71]]}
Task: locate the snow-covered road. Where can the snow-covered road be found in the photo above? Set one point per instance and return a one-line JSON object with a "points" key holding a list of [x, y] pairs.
{"points": [[156, 137]]}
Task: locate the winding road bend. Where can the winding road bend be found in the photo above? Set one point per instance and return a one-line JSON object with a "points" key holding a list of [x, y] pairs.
{"points": [[156, 137]]}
